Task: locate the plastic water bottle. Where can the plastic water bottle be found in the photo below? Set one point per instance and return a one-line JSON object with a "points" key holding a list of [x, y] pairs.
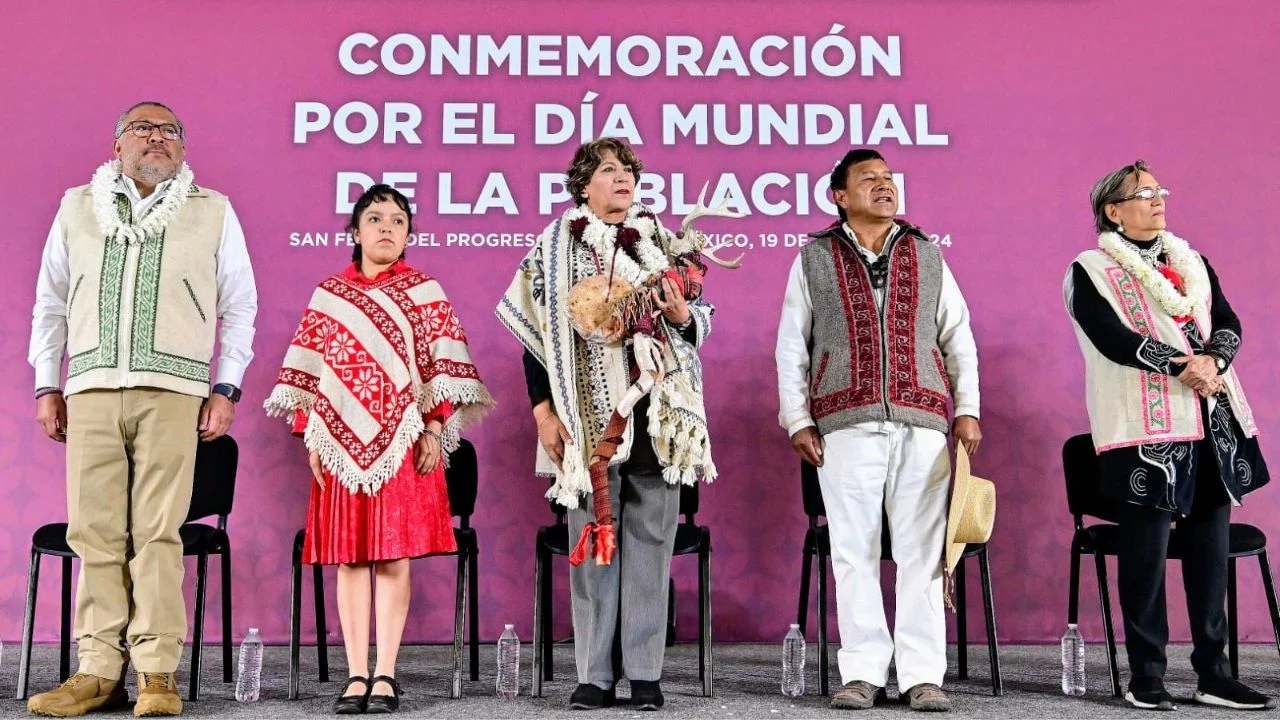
{"points": [[508, 664], [1073, 661], [793, 662], [249, 682]]}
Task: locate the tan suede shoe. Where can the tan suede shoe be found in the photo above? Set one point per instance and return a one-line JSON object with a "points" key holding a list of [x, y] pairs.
{"points": [[157, 695], [81, 693]]}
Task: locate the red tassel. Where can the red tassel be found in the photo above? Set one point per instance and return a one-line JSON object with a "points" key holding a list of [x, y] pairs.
{"points": [[583, 548], [606, 544]]}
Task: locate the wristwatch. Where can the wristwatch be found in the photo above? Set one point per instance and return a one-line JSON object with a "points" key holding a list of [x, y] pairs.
{"points": [[1220, 362], [231, 392]]}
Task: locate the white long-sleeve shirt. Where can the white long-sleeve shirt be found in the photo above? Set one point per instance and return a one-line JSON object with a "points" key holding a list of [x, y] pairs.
{"points": [[955, 338], [237, 298]]}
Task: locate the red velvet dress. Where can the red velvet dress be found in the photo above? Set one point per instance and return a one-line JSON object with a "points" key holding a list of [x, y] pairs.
{"points": [[408, 517]]}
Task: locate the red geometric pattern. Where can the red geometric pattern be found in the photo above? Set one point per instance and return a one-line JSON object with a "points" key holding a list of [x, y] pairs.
{"points": [[902, 301], [863, 319]]}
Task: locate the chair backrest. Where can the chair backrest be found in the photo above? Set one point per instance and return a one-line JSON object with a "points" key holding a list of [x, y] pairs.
{"points": [[689, 501], [1084, 482], [811, 492], [463, 478], [214, 488]]}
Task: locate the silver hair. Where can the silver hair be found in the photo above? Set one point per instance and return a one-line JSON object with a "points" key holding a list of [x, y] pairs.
{"points": [[182, 130], [1110, 189]]}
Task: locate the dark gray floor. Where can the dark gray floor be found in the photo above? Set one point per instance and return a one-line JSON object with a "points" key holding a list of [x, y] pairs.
{"points": [[747, 686]]}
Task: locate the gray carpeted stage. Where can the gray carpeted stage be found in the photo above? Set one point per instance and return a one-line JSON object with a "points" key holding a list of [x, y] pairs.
{"points": [[747, 686]]}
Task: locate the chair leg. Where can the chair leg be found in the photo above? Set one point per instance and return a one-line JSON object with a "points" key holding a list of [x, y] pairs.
{"points": [[1073, 598], [1100, 563], [824, 661], [1233, 627], [459, 626], [962, 622], [295, 624], [225, 557], [806, 570], [706, 661], [29, 623], [538, 609], [548, 620], [197, 631], [322, 629], [473, 599], [989, 606], [64, 646], [1269, 588]]}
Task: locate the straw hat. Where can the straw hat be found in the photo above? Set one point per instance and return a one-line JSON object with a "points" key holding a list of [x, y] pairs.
{"points": [[973, 510]]}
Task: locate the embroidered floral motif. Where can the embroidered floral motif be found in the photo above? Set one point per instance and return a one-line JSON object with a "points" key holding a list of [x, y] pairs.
{"points": [[1182, 260]]}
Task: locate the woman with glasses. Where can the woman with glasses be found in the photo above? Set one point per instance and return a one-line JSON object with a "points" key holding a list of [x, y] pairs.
{"points": [[1174, 434]]}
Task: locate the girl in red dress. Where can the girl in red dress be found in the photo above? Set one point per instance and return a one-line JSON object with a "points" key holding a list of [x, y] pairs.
{"points": [[378, 382]]}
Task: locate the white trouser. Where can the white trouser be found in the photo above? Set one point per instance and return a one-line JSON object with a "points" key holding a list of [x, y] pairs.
{"points": [[905, 470]]}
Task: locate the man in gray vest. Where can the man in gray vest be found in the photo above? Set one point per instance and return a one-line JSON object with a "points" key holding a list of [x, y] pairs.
{"points": [[142, 271], [873, 344]]}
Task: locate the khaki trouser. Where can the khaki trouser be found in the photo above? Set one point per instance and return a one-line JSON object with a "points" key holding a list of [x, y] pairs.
{"points": [[124, 524]]}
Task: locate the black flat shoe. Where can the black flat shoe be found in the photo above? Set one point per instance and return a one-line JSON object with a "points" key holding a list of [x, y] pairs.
{"points": [[352, 704], [378, 704], [590, 697], [646, 695]]}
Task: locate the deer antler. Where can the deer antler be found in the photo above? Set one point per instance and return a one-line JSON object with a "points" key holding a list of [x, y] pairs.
{"points": [[700, 211]]}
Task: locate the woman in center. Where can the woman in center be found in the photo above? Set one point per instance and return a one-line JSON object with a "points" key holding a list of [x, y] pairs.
{"points": [[575, 386]]}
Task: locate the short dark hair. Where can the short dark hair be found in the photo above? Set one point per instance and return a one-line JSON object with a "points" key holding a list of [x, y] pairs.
{"points": [[589, 156], [1109, 190], [840, 173], [182, 130], [377, 193]]}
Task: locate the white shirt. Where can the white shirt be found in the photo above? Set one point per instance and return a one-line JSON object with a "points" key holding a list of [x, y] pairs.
{"points": [[237, 298], [955, 338]]}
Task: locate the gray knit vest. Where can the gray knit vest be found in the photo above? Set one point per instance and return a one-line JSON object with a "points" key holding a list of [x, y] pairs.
{"points": [[868, 363]]}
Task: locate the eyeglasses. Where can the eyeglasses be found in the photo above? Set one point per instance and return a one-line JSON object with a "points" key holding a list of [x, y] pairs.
{"points": [[143, 129], [1146, 194]]}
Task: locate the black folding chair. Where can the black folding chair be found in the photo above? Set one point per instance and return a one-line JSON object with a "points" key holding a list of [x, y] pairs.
{"points": [[691, 538], [817, 544], [1085, 498], [462, 478], [213, 493]]}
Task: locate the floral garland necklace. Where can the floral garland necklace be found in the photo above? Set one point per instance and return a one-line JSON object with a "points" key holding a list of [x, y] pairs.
{"points": [[1178, 288], [104, 190], [638, 231]]}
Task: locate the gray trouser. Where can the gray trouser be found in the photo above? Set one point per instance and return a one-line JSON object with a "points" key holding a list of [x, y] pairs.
{"points": [[626, 602]]}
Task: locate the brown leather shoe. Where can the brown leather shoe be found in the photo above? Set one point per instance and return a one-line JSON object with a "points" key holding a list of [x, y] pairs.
{"points": [[157, 695], [81, 693]]}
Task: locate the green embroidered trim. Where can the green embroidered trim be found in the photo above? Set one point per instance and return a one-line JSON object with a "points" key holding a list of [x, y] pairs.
{"points": [[146, 298], [110, 299], [191, 293]]}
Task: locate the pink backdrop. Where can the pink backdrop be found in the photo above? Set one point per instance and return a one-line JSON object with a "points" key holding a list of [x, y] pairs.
{"points": [[1038, 99]]}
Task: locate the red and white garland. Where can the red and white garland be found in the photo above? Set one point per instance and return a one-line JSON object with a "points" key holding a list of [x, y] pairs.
{"points": [[603, 239], [1182, 260]]}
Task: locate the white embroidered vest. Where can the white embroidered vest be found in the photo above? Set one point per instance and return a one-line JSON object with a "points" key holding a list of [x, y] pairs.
{"points": [[142, 315], [1128, 406]]}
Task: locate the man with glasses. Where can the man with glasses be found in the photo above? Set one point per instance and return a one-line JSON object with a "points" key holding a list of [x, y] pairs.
{"points": [[140, 267]]}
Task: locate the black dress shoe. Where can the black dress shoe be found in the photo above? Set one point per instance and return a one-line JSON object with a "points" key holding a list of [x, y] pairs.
{"points": [[378, 704], [590, 697], [646, 695], [352, 704]]}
